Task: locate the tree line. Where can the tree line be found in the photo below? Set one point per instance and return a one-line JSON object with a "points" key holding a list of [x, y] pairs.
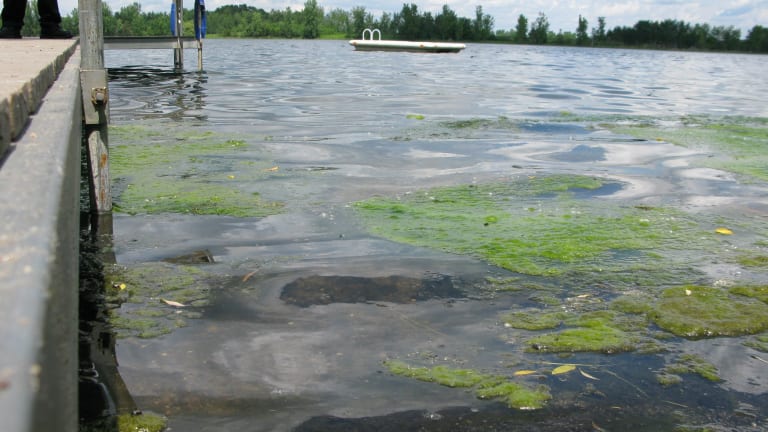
{"points": [[313, 21]]}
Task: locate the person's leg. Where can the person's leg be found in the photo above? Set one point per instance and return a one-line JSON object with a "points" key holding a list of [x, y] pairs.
{"points": [[50, 20], [13, 18]]}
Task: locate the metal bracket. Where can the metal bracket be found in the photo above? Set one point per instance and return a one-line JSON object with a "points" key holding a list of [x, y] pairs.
{"points": [[99, 95], [95, 94]]}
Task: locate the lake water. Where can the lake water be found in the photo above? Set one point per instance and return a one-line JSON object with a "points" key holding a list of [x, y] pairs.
{"points": [[325, 126]]}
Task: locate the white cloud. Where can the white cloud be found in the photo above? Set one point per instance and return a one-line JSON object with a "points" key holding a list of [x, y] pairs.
{"points": [[562, 14]]}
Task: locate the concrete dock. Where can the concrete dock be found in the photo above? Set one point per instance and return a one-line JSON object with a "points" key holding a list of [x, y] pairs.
{"points": [[40, 138]]}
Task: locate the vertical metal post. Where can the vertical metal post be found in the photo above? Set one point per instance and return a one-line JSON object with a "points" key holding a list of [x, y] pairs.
{"points": [[95, 94], [178, 52], [200, 55]]}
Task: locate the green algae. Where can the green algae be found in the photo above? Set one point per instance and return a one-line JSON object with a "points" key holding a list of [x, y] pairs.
{"points": [[743, 141], [538, 227], [593, 337], [756, 292], [486, 386], [144, 422], [759, 343], [146, 294], [443, 375], [693, 364], [753, 260], [533, 320], [515, 395], [482, 123], [600, 330], [699, 311], [668, 379], [632, 304], [186, 173]]}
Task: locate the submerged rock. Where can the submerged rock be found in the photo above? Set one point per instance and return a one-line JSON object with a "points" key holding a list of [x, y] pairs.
{"points": [[197, 257]]}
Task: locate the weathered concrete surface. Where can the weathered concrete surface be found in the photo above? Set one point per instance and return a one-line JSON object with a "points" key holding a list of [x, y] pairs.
{"points": [[30, 66], [39, 223]]}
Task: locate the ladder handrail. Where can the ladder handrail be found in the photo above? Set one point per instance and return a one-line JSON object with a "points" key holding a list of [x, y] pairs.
{"points": [[371, 33]]}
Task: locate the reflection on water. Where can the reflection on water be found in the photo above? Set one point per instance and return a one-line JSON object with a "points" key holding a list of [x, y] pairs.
{"points": [[324, 82], [159, 92], [313, 303]]}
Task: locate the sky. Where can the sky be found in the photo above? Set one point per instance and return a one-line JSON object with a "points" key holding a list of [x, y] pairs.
{"points": [[562, 15]]}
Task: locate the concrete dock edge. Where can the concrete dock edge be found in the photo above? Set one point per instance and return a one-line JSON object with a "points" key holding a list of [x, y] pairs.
{"points": [[39, 192]]}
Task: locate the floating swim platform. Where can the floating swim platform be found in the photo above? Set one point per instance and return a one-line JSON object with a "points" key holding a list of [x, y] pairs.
{"points": [[370, 44]]}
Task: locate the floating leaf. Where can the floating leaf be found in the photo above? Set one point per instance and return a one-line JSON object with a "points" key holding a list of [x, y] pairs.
{"points": [[173, 303], [415, 117], [586, 375], [248, 276], [563, 369], [723, 231], [273, 169], [524, 372]]}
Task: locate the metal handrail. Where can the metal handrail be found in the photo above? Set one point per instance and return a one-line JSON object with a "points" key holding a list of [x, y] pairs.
{"points": [[371, 33]]}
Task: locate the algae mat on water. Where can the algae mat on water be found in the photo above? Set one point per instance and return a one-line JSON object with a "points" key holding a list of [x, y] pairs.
{"points": [[168, 171], [155, 298], [742, 143], [486, 386], [539, 226]]}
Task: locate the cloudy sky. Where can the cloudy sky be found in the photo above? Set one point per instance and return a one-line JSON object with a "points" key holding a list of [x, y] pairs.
{"points": [[562, 14]]}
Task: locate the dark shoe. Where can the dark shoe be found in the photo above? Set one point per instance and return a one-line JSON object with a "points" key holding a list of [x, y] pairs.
{"points": [[10, 33], [55, 32]]}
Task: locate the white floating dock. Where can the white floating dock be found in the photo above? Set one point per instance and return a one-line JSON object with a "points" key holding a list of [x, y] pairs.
{"points": [[371, 44]]}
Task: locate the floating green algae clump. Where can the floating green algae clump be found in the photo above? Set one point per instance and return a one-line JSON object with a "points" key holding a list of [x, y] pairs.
{"points": [[698, 311], [486, 386], [533, 225], [533, 319], [759, 343], [754, 260], [596, 336], [155, 298], [145, 422], [159, 172], [693, 364]]}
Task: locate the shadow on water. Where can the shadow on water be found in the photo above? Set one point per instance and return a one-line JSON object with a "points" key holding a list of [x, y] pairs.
{"points": [[316, 290], [102, 393]]}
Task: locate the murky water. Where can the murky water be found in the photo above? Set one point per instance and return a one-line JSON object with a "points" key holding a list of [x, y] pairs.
{"points": [[306, 304]]}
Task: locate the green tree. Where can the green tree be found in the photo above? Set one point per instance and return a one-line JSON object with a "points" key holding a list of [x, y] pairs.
{"points": [[337, 21], [109, 21], [445, 23], [31, 20], [521, 31], [408, 22], [757, 40], [598, 34], [727, 38], [360, 20], [129, 21], [582, 38], [385, 26], [71, 22], [313, 16], [539, 30], [483, 25]]}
